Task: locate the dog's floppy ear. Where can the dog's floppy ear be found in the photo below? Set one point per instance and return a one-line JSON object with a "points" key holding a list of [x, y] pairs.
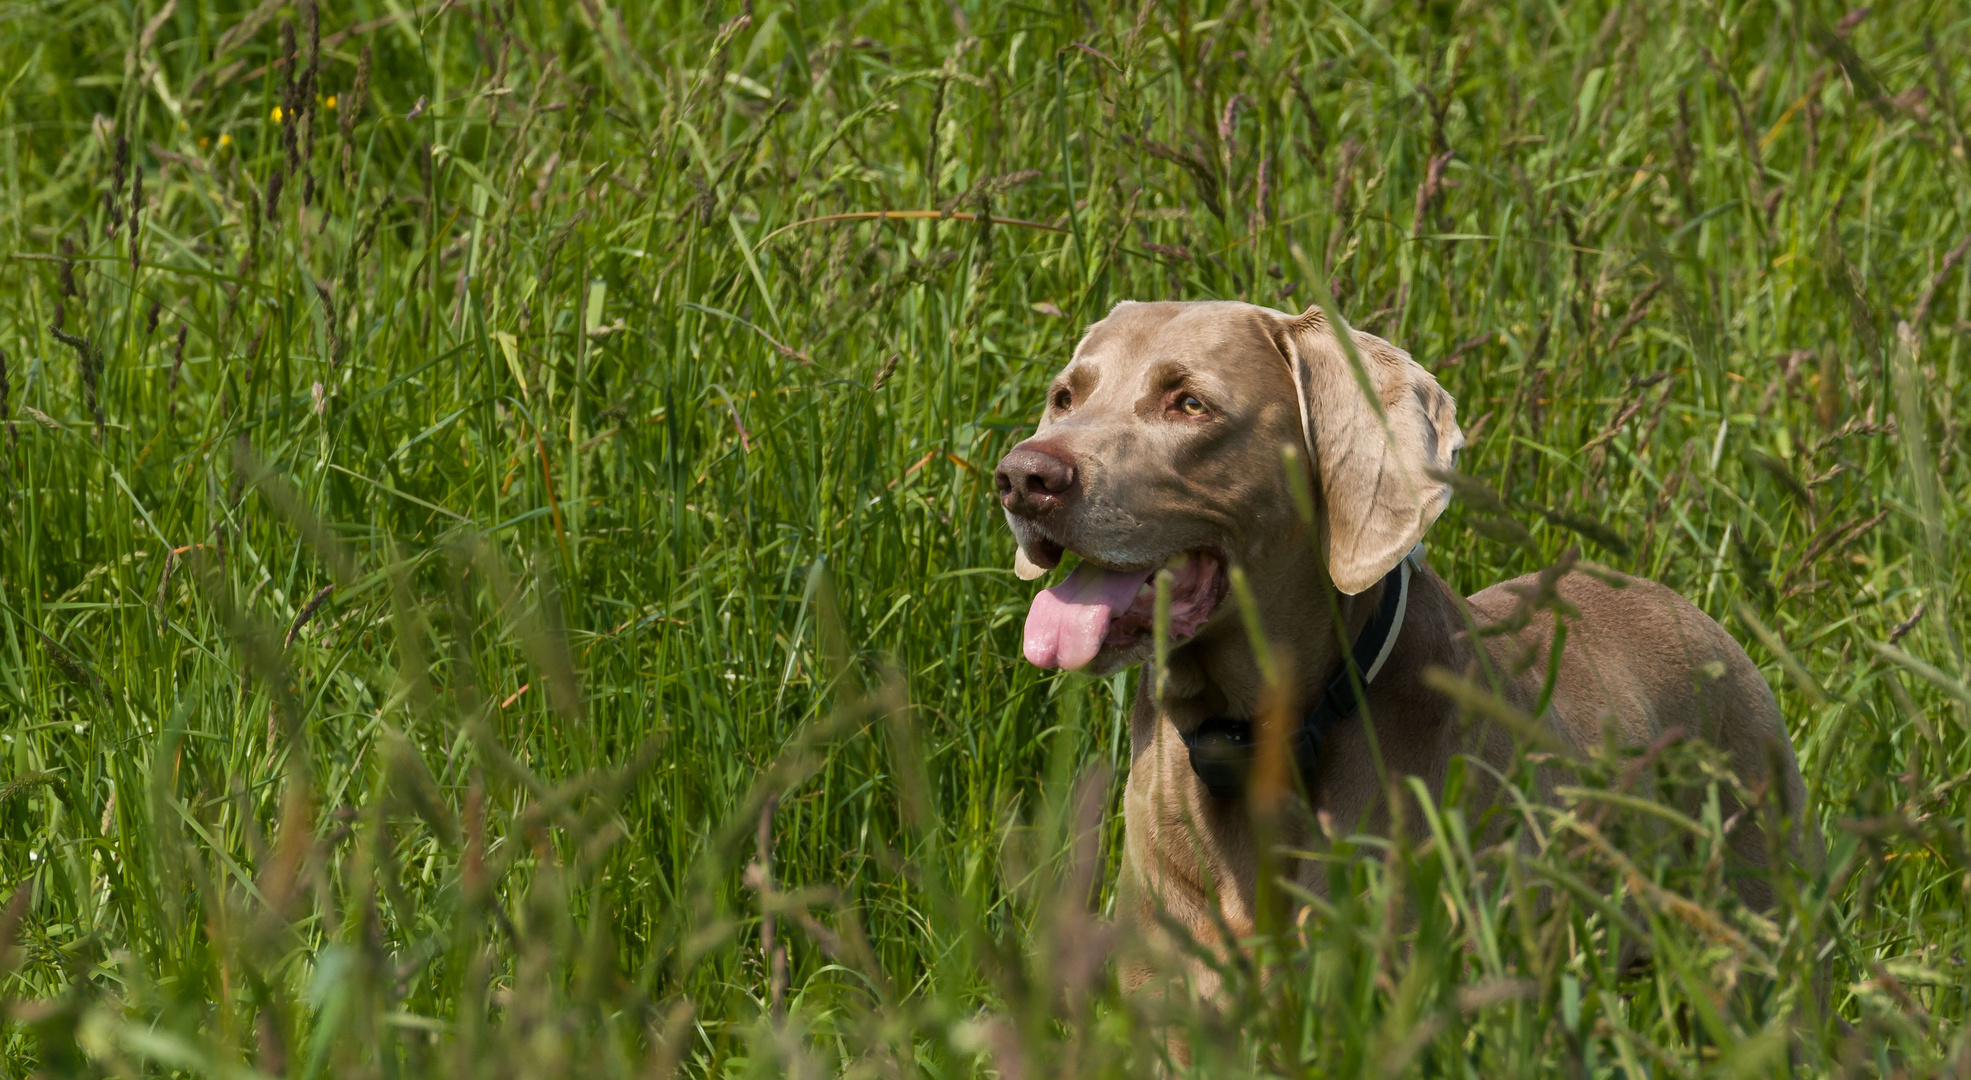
{"points": [[1373, 472]]}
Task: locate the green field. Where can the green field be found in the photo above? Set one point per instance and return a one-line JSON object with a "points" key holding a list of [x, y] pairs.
{"points": [[460, 466]]}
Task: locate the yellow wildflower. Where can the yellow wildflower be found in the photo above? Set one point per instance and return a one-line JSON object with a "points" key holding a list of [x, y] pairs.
{"points": [[275, 116]]}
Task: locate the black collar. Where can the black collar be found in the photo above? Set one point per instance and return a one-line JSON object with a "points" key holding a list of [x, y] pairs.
{"points": [[1222, 748]]}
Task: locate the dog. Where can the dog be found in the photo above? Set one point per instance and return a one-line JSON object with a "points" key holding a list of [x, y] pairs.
{"points": [[1161, 447]]}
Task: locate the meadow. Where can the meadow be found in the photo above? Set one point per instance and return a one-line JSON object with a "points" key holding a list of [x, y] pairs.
{"points": [[499, 571]]}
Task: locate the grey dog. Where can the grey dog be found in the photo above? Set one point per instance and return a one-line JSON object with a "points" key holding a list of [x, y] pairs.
{"points": [[1161, 447]]}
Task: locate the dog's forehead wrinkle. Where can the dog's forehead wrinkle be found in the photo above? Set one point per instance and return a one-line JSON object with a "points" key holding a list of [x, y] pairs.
{"points": [[1181, 329], [1080, 372]]}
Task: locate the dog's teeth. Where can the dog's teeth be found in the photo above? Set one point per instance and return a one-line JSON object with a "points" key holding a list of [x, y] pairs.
{"points": [[1145, 590], [1026, 568], [1176, 562]]}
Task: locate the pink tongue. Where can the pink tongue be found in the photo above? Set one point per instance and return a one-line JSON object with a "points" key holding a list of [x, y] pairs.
{"points": [[1066, 624]]}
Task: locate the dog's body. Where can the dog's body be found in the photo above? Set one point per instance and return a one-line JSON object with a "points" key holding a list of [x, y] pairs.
{"points": [[1637, 661], [1161, 447]]}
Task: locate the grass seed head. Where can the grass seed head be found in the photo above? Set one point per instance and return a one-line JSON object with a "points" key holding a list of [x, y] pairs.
{"points": [[457, 881]]}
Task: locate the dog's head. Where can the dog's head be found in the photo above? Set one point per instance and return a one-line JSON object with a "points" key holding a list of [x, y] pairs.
{"points": [[1161, 446]]}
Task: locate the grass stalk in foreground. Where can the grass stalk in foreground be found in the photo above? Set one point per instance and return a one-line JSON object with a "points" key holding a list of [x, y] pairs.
{"points": [[633, 376]]}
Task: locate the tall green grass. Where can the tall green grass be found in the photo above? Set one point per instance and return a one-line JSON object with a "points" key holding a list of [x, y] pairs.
{"points": [[478, 557]]}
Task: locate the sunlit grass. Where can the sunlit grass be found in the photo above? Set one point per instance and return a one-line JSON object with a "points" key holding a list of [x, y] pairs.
{"points": [[652, 485]]}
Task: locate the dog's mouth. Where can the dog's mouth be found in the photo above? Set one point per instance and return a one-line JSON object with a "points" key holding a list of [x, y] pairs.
{"points": [[1098, 610]]}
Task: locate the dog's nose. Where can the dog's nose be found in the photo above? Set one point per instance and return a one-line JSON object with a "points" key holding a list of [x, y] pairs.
{"points": [[1033, 481]]}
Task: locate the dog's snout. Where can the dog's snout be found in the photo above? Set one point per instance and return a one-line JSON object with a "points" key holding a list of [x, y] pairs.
{"points": [[1034, 480]]}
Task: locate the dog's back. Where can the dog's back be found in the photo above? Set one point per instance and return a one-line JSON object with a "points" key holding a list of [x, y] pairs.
{"points": [[1638, 660]]}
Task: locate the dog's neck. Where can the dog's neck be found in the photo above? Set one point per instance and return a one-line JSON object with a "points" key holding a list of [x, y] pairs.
{"points": [[1216, 673], [1403, 731]]}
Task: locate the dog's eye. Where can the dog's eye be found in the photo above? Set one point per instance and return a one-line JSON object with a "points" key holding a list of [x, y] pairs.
{"points": [[1189, 405], [1063, 398]]}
